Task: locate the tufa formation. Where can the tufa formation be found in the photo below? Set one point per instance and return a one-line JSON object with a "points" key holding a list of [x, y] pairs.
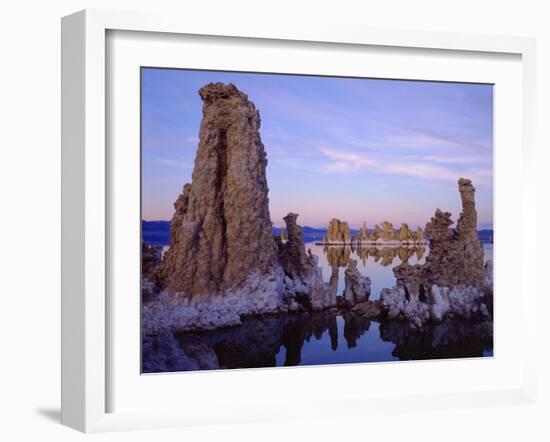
{"points": [[303, 277], [357, 287], [221, 230], [338, 232], [453, 282], [224, 262]]}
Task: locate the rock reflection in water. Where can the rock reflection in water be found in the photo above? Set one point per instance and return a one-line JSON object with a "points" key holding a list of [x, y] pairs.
{"points": [[311, 339], [448, 339], [354, 327], [374, 261], [302, 328], [339, 256]]}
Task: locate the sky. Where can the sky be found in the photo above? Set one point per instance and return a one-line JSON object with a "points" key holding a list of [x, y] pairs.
{"points": [[361, 150]]}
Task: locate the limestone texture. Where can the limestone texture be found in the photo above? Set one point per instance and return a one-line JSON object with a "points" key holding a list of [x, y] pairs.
{"points": [[221, 230]]}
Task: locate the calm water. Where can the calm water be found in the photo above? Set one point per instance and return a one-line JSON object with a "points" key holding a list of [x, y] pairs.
{"points": [[374, 262], [323, 337]]}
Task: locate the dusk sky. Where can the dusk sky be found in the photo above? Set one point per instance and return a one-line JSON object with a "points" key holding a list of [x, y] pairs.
{"points": [[354, 149]]}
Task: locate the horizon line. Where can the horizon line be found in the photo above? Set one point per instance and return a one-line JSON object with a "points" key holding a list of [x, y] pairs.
{"points": [[326, 226]]}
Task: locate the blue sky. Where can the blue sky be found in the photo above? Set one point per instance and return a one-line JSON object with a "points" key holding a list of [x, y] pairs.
{"points": [[354, 149]]}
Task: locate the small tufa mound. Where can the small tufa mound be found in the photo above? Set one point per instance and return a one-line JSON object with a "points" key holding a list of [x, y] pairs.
{"points": [[357, 287]]}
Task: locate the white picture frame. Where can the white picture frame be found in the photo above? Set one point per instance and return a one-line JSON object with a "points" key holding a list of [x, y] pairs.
{"points": [[85, 202]]}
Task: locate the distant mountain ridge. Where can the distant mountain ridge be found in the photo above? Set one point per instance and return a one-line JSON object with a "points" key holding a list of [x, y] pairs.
{"points": [[158, 233]]}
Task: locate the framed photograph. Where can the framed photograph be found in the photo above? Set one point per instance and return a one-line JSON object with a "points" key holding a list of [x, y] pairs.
{"points": [[261, 223]]}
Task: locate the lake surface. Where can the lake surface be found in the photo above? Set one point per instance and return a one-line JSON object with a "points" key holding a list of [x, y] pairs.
{"points": [[319, 338], [376, 262], [323, 337]]}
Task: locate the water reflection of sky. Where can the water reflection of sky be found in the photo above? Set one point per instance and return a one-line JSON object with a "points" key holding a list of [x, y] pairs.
{"points": [[378, 263], [368, 348]]}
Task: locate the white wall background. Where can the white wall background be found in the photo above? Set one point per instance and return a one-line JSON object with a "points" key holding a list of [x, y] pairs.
{"points": [[30, 214]]}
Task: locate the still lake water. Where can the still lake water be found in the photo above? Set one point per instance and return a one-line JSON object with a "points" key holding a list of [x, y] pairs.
{"points": [[323, 337], [375, 262]]}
